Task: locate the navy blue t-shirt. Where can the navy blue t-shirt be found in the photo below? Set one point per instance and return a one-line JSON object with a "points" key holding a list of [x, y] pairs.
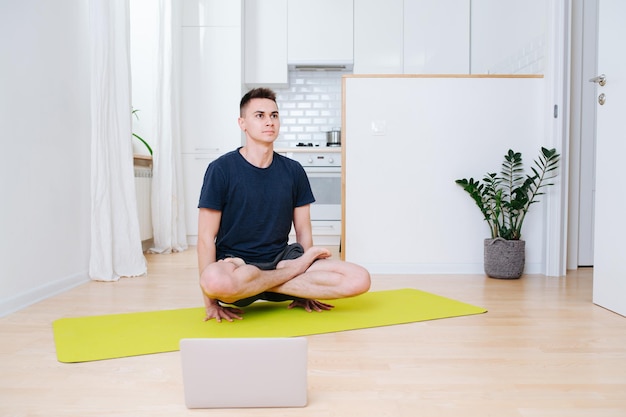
{"points": [[256, 203]]}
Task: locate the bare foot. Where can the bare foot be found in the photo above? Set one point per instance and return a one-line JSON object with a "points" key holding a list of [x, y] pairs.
{"points": [[303, 263]]}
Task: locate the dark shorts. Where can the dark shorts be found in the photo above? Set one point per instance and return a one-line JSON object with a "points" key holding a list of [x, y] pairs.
{"points": [[292, 251]]}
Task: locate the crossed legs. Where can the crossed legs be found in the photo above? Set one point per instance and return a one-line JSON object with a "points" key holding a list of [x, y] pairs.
{"points": [[311, 276]]}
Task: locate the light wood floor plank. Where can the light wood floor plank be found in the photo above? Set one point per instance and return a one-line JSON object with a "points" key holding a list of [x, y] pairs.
{"points": [[542, 350]]}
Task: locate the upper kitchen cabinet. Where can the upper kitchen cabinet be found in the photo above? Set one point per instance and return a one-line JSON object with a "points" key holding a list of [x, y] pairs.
{"points": [[320, 32], [211, 13], [265, 45], [211, 78], [509, 36], [437, 37], [411, 36], [378, 37]]}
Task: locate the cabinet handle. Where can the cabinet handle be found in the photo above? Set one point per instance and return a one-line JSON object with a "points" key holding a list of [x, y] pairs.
{"points": [[207, 149]]}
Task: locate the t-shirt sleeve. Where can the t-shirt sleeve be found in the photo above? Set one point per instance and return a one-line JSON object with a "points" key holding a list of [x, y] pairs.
{"points": [[304, 194], [213, 189]]}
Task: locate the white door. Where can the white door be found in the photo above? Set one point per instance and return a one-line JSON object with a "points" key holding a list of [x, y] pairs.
{"points": [[609, 278]]}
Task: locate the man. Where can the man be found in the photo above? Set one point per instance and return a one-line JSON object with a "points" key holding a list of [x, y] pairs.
{"points": [[249, 200]]}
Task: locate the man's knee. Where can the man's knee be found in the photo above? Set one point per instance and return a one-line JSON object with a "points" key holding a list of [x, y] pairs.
{"points": [[216, 281], [363, 280], [357, 280]]}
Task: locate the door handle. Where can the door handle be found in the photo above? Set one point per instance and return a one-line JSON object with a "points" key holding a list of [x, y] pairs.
{"points": [[600, 79]]}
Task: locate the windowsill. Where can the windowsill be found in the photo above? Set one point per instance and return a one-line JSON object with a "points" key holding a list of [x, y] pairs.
{"points": [[142, 160]]}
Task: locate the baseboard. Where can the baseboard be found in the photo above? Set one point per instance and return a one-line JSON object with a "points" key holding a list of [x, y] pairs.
{"points": [[192, 240], [436, 269], [33, 296]]}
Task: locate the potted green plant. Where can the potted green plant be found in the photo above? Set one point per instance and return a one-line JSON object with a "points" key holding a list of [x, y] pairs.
{"points": [[504, 200]]}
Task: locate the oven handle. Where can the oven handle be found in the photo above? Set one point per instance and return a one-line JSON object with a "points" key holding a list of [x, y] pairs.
{"points": [[322, 171]]}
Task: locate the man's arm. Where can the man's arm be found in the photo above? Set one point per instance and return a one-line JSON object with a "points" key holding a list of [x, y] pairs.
{"points": [[208, 225], [302, 226]]}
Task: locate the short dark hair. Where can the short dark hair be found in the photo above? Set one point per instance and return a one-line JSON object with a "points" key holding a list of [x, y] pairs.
{"points": [[260, 92]]}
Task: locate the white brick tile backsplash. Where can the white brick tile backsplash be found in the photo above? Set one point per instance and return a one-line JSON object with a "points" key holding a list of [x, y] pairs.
{"points": [[309, 107], [528, 60]]}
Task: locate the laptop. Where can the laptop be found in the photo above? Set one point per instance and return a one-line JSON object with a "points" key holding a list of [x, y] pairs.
{"points": [[244, 372]]}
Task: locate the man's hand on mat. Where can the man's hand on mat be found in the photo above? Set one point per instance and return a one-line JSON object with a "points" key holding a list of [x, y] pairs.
{"points": [[310, 305], [219, 312]]}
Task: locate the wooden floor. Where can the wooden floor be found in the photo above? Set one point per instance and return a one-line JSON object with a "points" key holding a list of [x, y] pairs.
{"points": [[542, 350]]}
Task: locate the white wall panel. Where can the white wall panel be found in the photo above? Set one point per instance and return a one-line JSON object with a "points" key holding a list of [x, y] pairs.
{"points": [[44, 162], [403, 211]]}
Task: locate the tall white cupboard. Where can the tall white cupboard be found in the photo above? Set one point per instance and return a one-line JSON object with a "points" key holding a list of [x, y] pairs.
{"points": [[211, 79]]}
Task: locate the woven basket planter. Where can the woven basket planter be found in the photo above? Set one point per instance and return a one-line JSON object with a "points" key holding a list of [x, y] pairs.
{"points": [[504, 259]]}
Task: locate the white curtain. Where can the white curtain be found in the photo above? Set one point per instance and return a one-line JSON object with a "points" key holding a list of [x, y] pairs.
{"points": [[115, 241], [168, 209]]}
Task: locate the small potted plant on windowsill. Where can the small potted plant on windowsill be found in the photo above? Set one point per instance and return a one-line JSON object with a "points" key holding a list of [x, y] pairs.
{"points": [[134, 112], [504, 200]]}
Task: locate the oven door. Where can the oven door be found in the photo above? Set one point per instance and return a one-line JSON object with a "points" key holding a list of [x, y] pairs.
{"points": [[326, 186]]}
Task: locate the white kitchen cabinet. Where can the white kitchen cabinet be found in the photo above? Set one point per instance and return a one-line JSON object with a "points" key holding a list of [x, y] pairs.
{"points": [[265, 46], [320, 31], [211, 89], [194, 167], [436, 37], [325, 233], [211, 79], [211, 13], [378, 37], [509, 36], [411, 36]]}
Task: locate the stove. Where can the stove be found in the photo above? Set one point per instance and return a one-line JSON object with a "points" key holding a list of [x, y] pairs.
{"points": [[323, 168], [317, 161]]}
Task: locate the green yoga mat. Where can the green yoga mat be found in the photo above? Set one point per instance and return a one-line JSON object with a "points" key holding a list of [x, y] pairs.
{"points": [[93, 338]]}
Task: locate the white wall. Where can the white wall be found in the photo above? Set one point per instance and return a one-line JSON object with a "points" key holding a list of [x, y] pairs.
{"points": [[45, 151], [403, 211]]}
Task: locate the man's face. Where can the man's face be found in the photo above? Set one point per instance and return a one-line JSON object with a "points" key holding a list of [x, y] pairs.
{"points": [[260, 120]]}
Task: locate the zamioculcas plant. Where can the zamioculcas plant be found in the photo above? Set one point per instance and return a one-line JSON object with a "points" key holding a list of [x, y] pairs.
{"points": [[504, 199]]}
